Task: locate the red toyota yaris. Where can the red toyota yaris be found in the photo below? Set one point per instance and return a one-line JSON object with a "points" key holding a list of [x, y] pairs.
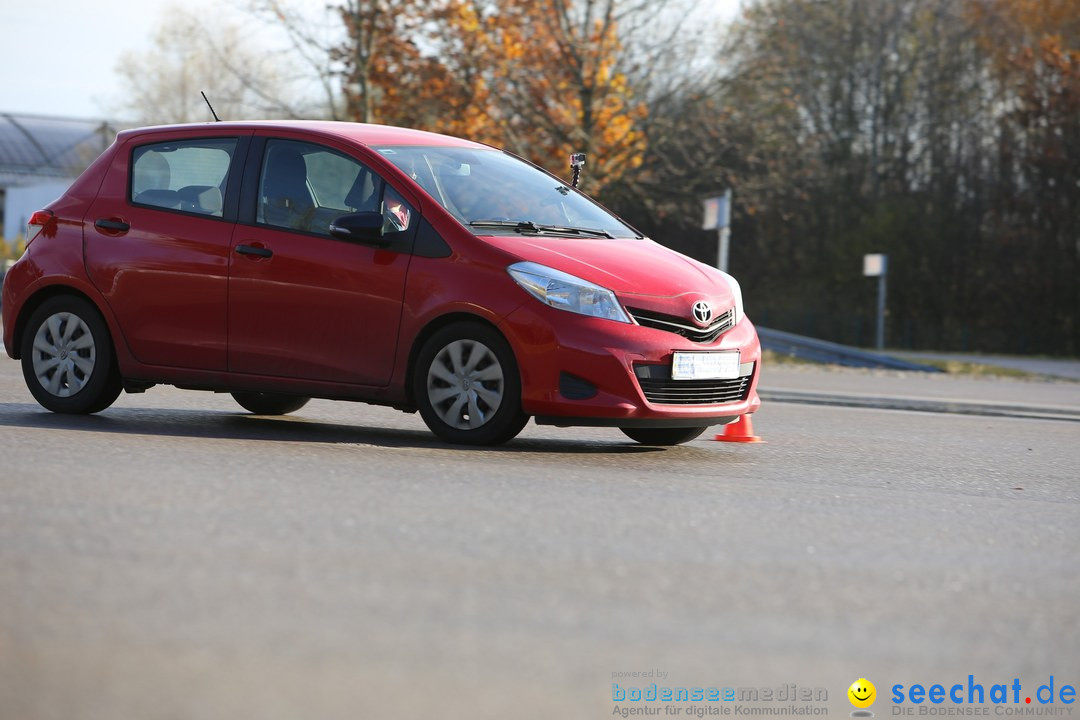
{"points": [[283, 261]]}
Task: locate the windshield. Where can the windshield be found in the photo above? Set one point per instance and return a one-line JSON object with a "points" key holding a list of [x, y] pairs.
{"points": [[492, 191]]}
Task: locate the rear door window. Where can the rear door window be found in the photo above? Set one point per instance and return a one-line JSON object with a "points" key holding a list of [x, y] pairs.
{"points": [[188, 176]]}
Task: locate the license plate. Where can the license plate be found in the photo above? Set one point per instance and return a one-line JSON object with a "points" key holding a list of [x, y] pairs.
{"points": [[705, 365]]}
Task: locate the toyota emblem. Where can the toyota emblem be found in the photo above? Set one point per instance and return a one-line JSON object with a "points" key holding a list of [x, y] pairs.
{"points": [[702, 312]]}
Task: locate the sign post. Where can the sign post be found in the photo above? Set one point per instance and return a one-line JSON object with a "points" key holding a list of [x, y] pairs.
{"points": [[877, 265], [718, 217]]}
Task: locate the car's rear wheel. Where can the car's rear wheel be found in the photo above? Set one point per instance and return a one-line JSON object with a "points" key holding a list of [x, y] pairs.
{"points": [[663, 436], [67, 357], [262, 403], [467, 387]]}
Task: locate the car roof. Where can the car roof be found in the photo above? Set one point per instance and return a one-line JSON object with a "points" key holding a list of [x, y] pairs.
{"points": [[368, 134]]}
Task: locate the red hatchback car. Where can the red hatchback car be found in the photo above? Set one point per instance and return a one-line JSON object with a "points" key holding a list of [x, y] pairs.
{"points": [[287, 260]]}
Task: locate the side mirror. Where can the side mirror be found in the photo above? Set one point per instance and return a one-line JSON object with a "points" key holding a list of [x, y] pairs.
{"points": [[362, 227]]}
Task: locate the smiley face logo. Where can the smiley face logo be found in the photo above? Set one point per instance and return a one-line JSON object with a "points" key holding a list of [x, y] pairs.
{"points": [[862, 693]]}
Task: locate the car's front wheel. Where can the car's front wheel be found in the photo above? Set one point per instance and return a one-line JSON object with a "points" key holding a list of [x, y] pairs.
{"points": [[262, 403], [467, 387], [663, 436], [67, 357]]}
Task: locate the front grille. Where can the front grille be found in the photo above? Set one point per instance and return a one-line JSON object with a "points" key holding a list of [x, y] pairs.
{"points": [[659, 388], [682, 326]]}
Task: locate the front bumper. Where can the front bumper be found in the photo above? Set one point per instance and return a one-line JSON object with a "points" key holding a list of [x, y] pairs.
{"points": [[577, 370]]}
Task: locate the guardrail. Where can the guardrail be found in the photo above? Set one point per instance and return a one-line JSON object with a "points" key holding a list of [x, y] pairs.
{"points": [[806, 348], [985, 408]]}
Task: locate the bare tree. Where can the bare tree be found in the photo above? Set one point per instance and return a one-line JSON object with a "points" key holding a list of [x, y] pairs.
{"points": [[162, 85], [312, 50]]}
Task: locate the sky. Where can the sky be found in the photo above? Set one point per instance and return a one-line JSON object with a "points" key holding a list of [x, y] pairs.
{"points": [[59, 57]]}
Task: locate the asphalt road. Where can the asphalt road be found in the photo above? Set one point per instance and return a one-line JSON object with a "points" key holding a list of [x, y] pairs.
{"points": [[174, 558]]}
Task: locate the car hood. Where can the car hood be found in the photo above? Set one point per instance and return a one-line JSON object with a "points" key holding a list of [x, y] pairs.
{"points": [[640, 271]]}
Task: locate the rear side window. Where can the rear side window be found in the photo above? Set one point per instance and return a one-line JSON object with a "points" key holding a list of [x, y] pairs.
{"points": [[188, 176]]}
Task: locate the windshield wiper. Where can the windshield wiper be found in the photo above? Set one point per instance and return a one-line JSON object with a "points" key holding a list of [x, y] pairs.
{"points": [[528, 226]]}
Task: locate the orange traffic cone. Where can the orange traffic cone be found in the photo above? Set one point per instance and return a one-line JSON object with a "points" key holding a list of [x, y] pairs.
{"points": [[740, 431]]}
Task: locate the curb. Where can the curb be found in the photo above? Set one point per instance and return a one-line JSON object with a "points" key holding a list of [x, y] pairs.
{"points": [[944, 405]]}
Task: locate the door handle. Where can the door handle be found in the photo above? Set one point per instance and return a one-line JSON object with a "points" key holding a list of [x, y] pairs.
{"points": [[111, 225], [254, 250]]}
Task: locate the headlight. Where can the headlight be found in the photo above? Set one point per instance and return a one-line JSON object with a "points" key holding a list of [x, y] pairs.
{"points": [[736, 290], [566, 292]]}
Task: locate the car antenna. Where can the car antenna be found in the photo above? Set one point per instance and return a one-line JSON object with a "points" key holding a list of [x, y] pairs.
{"points": [[577, 161], [216, 118]]}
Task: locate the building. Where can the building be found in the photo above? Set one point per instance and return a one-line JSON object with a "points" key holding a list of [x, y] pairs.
{"points": [[39, 158]]}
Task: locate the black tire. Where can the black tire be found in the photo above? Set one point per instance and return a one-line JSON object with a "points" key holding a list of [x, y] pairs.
{"points": [[262, 403], [486, 384], [663, 436], [68, 360]]}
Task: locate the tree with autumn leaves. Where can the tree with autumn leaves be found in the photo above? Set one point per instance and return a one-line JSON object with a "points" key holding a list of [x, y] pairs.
{"points": [[542, 78], [1034, 52]]}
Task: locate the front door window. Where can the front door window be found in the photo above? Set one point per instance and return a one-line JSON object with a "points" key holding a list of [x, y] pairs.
{"points": [[306, 187]]}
